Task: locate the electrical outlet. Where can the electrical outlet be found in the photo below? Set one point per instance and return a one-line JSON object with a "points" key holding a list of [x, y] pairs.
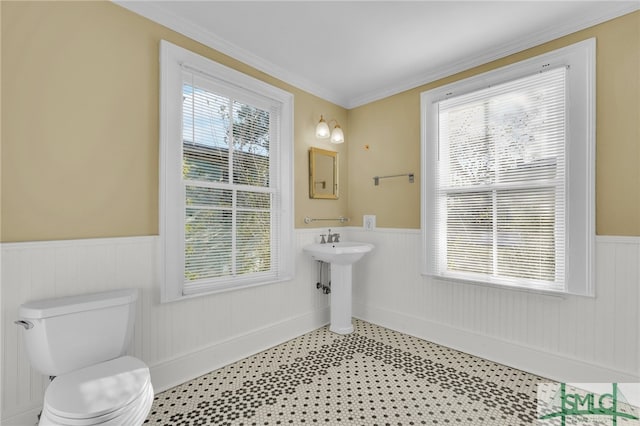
{"points": [[369, 222]]}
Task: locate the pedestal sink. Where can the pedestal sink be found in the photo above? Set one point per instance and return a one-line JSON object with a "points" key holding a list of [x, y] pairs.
{"points": [[341, 256]]}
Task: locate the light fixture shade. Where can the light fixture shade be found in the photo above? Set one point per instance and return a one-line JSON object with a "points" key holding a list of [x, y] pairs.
{"points": [[337, 136], [322, 129]]}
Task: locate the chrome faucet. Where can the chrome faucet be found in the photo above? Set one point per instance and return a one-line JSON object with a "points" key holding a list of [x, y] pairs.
{"points": [[331, 238]]}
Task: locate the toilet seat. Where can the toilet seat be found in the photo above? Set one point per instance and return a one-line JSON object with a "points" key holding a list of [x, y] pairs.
{"points": [[133, 417], [115, 392]]}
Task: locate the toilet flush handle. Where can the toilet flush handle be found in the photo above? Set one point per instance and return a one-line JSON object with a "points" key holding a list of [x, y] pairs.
{"points": [[26, 324]]}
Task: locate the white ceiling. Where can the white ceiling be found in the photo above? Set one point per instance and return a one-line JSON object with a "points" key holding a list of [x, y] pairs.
{"points": [[354, 52]]}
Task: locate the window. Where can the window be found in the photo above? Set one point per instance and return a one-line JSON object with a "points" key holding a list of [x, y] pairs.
{"points": [[508, 175], [225, 177]]}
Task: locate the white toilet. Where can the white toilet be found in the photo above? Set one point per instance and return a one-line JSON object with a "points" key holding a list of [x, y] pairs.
{"points": [[82, 341]]}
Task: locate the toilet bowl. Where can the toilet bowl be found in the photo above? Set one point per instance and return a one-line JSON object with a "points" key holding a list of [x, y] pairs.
{"points": [[81, 341], [115, 392]]}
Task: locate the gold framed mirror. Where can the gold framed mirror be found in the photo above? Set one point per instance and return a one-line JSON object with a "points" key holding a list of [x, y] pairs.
{"points": [[323, 174]]}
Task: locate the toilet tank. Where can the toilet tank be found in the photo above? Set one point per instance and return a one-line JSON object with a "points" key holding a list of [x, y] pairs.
{"points": [[69, 333]]}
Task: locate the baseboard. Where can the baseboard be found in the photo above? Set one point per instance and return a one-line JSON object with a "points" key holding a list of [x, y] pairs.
{"points": [[168, 374], [549, 365], [176, 371]]}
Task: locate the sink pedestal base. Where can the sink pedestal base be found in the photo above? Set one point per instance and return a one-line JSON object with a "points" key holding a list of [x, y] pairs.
{"points": [[341, 299]]}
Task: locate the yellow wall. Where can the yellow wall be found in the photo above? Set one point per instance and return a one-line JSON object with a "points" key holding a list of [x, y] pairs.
{"points": [[391, 128], [80, 127], [80, 122]]}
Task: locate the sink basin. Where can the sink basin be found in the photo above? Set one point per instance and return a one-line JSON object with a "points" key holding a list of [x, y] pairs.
{"points": [[342, 253]]}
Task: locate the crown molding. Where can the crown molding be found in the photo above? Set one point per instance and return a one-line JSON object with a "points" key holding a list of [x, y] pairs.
{"points": [[494, 53], [155, 12]]}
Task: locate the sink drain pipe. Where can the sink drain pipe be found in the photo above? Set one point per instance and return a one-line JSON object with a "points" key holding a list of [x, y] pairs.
{"points": [[324, 278]]}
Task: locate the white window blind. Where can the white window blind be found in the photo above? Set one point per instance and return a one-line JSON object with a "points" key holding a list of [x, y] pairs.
{"points": [[227, 163], [225, 184], [501, 182], [508, 175]]}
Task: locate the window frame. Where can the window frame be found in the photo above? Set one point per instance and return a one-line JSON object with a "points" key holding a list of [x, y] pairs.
{"points": [[579, 59], [173, 61]]}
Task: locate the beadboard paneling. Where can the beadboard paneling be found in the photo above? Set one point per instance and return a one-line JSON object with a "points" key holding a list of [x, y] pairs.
{"points": [[178, 340], [578, 338], [569, 338]]}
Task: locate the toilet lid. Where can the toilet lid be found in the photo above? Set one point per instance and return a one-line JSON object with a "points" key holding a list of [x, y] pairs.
{"points": [[98, 389]]}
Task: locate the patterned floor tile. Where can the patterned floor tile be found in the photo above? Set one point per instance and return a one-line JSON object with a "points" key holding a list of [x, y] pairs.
{"points": [[374, 376]]}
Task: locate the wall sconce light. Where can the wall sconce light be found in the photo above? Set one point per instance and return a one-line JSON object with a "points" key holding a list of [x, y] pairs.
{"points": [[323, 131]]}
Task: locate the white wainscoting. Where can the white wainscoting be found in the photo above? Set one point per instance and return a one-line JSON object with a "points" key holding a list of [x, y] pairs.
{"points": [[571, 339], [179, 340], [564, 338]]}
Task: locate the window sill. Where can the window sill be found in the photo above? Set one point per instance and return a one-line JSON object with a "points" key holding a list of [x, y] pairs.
{"points": [[518, 288], [226, 289]]}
